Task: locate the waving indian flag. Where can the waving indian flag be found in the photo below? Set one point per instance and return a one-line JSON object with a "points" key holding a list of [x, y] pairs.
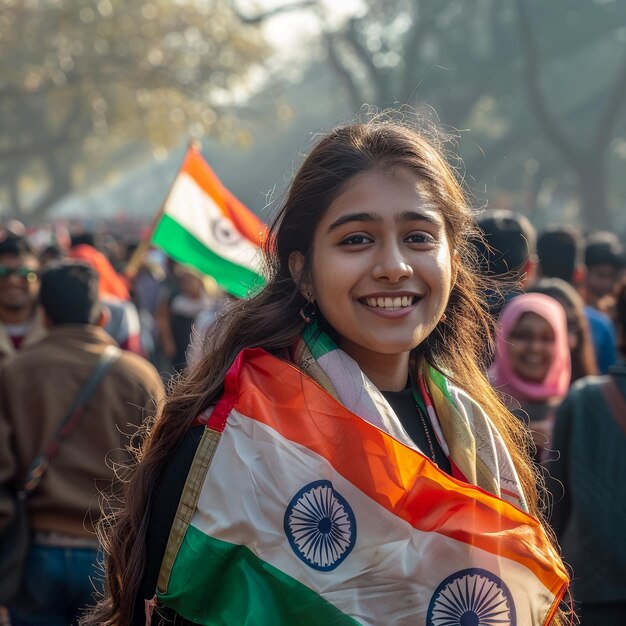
{"points": [[297, 511], [204, 225]]}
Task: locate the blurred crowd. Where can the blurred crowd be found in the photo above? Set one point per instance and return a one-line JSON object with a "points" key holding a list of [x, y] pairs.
{"points": [[150, 312], [558, 304], [559, 311], [62, 306]]}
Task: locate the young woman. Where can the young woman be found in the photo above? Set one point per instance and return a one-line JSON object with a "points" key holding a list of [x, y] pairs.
{"points": [[324, 462], [532, 361], [196, 294]]}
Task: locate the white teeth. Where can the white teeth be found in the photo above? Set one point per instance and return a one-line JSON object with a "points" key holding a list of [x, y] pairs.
{"points": [[389, 303]]}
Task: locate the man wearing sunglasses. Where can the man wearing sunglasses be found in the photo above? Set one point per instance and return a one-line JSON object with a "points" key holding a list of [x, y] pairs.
{"points": [[20, 322]]}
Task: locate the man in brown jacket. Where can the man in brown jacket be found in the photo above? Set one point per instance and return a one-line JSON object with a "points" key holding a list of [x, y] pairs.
{"points": [[20, 322], [37, 387]]}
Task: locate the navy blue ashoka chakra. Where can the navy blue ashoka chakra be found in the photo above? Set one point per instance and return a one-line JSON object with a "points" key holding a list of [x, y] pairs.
{"points": [[320, 526], [472, 597]]}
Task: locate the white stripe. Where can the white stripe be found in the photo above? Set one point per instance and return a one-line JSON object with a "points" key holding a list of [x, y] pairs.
{"points": [[393, 570], [198, 213], [356, 391]]}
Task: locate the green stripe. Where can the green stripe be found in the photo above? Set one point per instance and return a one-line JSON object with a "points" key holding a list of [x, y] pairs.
{"points": [[317, 341], [178, 243], [440, 380], [215, 582]]}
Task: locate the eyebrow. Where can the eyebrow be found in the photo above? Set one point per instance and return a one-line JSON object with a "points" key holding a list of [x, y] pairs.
{"points": [[406, 216]]}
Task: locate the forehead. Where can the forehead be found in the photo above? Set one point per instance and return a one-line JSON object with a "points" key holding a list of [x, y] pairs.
{"points": [[604, 269], [383, 194], [533, 321], [17, 260]]}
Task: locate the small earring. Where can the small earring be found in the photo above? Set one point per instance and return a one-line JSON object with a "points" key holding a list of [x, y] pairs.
{"points": [[443, 318], [308, 312]]}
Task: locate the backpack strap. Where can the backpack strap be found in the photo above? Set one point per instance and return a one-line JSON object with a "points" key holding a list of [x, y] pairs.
{"points": [[70, 420], [615, 399]]}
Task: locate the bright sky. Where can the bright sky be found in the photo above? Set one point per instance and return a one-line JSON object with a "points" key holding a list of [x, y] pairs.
{"points": [[289, 30], [290, 33]]}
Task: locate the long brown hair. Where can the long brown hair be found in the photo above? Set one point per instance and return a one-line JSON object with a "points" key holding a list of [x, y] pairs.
{"points": [[270, 319]]}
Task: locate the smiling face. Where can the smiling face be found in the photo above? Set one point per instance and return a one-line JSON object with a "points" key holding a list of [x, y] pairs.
{"points": [[531, 347], [20, 286], [381, 270], [601, 279]]}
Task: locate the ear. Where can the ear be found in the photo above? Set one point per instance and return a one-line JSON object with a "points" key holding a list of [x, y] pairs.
{"points": [[47, 322], [105, 316], [528, 275], [296, 266], [578, 279]]}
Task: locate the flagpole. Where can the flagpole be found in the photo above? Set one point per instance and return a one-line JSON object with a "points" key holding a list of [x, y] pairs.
{"points": [[135, 261]]}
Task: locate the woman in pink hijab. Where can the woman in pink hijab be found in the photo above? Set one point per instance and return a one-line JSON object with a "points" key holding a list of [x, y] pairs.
{"points": [[532, 361]]}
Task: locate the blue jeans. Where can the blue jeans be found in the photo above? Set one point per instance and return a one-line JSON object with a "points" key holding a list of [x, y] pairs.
{"points": [[58, 583]]}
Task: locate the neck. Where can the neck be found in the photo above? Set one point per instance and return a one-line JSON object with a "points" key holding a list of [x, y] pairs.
{"points": [[389, 372], [15, 316]]}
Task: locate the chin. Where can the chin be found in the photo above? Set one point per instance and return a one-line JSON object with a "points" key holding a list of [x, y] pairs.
{"points": [[390, 347]]}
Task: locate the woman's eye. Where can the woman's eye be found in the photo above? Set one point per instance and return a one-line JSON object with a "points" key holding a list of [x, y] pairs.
{"points": [[355, 240], [420, 238]]}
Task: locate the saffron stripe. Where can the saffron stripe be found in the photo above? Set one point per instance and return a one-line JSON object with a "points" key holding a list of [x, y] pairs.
{"points": [[247, 223]]}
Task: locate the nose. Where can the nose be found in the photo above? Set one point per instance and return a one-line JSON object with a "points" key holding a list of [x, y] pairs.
{"points": [[391, 265], [537, 344], [15, 279]]}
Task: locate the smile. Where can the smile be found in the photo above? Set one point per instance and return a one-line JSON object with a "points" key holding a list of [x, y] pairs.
{"points": [[388, 303], [534, 360]]}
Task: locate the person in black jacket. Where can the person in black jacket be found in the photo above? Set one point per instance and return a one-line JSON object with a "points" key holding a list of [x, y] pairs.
{"points": [[589, 511]]}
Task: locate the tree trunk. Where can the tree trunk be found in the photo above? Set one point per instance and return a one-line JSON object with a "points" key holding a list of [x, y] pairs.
{"points": [[58, 170], [15, 206], [592, 182]]}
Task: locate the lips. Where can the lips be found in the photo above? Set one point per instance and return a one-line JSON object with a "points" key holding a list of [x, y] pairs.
{"points": [[534, 359]]}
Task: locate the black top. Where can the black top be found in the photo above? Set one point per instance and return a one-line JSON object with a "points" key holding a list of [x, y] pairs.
{"points": [[162, 510], [181, 327], [407, 410]]}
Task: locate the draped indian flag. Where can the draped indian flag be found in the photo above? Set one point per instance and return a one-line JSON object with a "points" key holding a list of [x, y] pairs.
{"points": [[205, 226], [297, 511]]}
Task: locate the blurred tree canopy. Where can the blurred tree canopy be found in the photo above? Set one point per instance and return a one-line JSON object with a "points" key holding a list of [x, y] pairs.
{"points": [[534, 91], [540, 84], [81, 81]]}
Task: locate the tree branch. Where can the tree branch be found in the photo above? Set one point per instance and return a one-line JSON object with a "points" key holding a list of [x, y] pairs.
{"points": [[35, 148], [411, 46], [605, 128], [538, 104], [356, 97], [365, 58], [266, 15]]}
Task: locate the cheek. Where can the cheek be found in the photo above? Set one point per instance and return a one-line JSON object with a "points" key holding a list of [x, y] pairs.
{"points": [[328, 283], [513, 351], [572, 341], [445, 268]]}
